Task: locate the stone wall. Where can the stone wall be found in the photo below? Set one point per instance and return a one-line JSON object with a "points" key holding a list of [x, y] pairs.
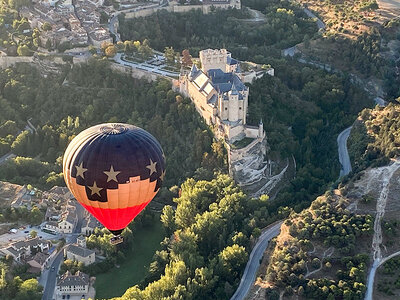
{"points": [[7, 61], [206, 8], [137, 73], [146, 12], [252, 132]]}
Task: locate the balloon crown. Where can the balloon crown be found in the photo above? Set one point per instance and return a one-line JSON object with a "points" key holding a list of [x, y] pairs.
{"points": [[114, 128]]}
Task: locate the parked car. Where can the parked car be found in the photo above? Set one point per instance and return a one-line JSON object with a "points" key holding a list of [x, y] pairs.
{"points": [[26, 231], [53, 269]]}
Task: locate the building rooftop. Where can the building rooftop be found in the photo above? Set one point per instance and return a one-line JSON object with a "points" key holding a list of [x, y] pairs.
{"points": [[67, 279], [90, 222], [40, 258], [77, 250], [31, 242], [223, 82]]}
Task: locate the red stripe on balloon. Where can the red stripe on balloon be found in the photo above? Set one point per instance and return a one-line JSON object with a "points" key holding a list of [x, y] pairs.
{"points": [[115, 219]]}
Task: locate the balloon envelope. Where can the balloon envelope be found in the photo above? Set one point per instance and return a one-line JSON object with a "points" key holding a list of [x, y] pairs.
{"points": [[114, 170]]}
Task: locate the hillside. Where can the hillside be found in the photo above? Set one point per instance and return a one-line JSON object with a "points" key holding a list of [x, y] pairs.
{"points": [[327, 250], [322, 252]]}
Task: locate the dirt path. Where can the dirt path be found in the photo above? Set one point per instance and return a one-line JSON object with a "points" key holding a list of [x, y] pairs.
{"points": [[385, 175]]}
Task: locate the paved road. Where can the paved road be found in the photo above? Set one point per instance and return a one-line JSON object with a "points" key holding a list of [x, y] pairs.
{"points": [[249, 274], [309, 13], [6, 156], [112, 27], [344, 158], [257, 16], [51, 276]]}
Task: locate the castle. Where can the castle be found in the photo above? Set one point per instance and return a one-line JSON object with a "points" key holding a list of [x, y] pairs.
{"points": [[220, 95]]}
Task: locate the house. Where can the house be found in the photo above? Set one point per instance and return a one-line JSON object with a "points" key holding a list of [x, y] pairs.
{"points": [[99, 36], [68, 220], [51, 214], [57, 193], [38, 262], [81, 254], [22, 249], [89, 224], [72, 286], [50, 227]]}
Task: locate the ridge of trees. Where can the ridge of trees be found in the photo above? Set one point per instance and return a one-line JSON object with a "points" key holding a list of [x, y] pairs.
{"points": [[285, 25], [327, 224]]}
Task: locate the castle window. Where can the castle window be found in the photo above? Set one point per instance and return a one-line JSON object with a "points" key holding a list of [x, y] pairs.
{"points": [[240, 108], [226, 108]]}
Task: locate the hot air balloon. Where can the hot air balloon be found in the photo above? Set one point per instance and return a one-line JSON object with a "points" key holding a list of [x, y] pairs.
{"points": [[114, 170]]}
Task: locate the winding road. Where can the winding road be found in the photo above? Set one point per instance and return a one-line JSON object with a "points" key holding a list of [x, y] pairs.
{"points": [[344, 158], [250, 271]]}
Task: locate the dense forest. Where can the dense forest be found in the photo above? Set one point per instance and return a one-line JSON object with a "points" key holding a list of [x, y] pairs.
{"points": [[95, 94], [211, 231], [304, 109], [324, 238], [285, 25]]}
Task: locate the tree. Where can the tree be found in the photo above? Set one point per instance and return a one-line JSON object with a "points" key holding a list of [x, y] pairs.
{"points": [[46, 26], [111, 51], [169, 55], [168, 219], [231, 261], [186, 58], [145, 50], [36, 216], [33, 233], [23, 50], [92, 49], [29, 290], [19, 146]]}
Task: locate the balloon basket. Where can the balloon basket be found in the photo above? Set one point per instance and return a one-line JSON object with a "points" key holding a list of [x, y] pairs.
{"points": [[116, 240]]}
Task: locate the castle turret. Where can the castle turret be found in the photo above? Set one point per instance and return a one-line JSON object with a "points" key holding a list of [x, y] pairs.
{"points": [[260, 129]]}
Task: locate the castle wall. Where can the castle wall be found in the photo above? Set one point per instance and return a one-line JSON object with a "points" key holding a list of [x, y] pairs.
{"points": [[251, 132], [200, 102], [7, 61], [137, 73], [206, 8]]}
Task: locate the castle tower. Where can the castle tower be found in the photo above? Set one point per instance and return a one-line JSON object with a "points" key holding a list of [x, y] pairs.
{"points": [[260, 129], [213, 59], [81, 241], [233, 108]]}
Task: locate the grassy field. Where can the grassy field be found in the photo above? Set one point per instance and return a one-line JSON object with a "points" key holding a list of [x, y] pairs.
{"points": [[115, 282]]}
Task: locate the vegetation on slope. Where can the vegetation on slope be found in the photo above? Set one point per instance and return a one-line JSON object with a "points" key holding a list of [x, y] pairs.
{"points": [[349, 17], [285, 25], [326, 238], [304, 109], [211, 231], [96, 94], [374, 138]]}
